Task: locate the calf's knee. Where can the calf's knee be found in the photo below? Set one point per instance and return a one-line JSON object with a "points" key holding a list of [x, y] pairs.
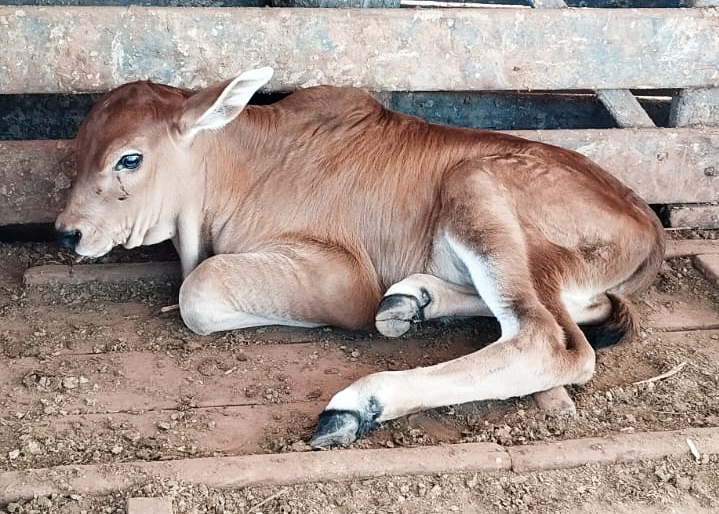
{"points": [[197, 295]]}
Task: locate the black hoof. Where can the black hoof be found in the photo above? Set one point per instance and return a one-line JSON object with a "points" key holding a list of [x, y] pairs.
{"points": [[397, 312], [336, 428]]}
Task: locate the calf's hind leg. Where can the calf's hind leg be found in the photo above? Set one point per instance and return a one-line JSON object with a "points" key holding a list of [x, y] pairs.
{"points": [[298, 284], [540, 348], [533, 354], [420, 297]]}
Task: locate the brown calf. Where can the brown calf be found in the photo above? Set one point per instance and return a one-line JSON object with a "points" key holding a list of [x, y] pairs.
{"points": [[328, 209]]}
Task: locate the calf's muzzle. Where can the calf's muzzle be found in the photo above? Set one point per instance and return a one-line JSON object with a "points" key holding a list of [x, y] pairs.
{"points": [[69, 238]]}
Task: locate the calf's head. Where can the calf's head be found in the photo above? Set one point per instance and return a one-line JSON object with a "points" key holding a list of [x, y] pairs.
{"points": [[138, 156]]}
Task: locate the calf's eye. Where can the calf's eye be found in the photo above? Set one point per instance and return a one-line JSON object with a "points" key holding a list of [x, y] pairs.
{"points": [[129, 162]]}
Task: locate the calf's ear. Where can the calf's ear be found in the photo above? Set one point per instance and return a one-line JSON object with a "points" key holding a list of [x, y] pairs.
{"points": [[216, 106]]}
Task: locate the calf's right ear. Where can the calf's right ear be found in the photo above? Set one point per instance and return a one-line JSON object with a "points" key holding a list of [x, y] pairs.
{"points": [[216, 106]]}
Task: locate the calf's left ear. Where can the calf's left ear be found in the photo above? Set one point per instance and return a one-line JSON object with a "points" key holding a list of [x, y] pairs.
{"points": [[216, 106]]}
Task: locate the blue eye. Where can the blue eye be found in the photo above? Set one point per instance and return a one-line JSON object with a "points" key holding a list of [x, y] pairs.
{"points": [[129, 162]]}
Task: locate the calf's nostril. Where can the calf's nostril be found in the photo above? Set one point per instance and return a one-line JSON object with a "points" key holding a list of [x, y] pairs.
{"points": [[69, 238]]}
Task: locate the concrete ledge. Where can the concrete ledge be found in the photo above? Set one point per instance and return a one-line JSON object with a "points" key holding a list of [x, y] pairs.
{"points": [[709, 265], [277, 469], [294, 468], [83, 273], [612, 450], [149, 506]]}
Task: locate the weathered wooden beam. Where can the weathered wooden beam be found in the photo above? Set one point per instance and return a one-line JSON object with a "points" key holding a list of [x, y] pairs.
{"points": [[548, 4], [693, 107], [625, 108], [90, 49], [661, 165], [694, 216], [702, 3], [690, 247], [341, 4], [34, 180]]}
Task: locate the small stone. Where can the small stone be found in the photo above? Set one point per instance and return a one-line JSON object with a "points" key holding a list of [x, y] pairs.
{"points": [[164, 425], [683, 483], [34, 447], [13, 507], [116, 450], [44, 502], [84, 380], [663, 473], [299, 446], [70, 382], [355, 354], [314, 394], [13, 454]]}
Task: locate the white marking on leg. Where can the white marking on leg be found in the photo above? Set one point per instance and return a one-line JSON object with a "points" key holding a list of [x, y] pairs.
{"points": [[447, 299], [204, 314], [215, 320], [486, 282], [586, 306]]}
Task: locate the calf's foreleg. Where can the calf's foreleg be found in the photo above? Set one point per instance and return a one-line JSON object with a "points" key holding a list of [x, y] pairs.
{"points": [[303, 284]]}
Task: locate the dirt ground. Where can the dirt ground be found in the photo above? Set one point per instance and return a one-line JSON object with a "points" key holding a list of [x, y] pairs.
{"points": [[95, 374]]}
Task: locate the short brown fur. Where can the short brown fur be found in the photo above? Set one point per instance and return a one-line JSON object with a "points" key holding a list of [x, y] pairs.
{"points": [[307, 211]]}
